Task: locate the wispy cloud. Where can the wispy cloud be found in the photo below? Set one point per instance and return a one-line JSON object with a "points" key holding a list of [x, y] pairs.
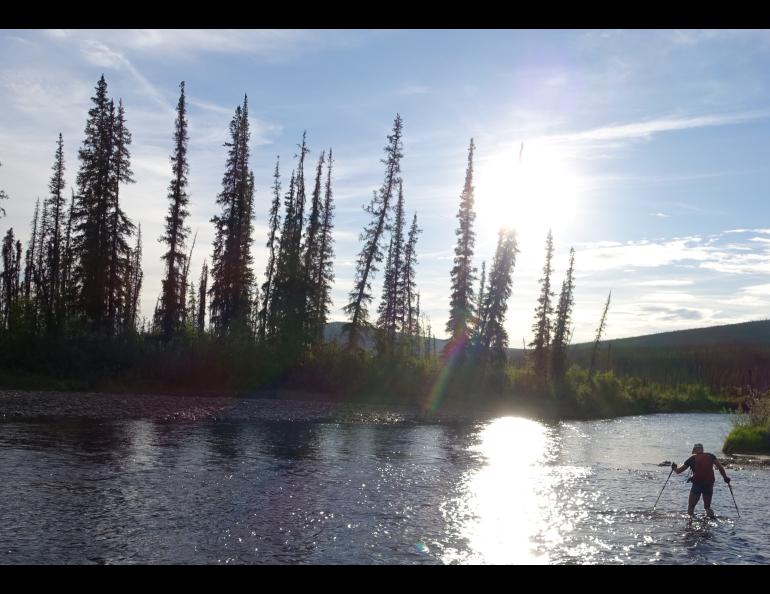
{"points": [[100, 54], [270, 45], [413, 90], [663, 283], [646, 129]]}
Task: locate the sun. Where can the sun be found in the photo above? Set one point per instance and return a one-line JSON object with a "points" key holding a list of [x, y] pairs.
{"points": [[530, 189]]}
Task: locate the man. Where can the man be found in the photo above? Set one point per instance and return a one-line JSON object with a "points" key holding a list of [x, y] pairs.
{"points": [[702, 466]]}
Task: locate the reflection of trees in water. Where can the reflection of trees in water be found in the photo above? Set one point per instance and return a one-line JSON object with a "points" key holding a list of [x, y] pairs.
{"points": [[224, 440], [290, 440]]}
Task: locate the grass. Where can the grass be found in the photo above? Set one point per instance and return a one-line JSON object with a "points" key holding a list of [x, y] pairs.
{"points": [[748, 439], [751, 433]]}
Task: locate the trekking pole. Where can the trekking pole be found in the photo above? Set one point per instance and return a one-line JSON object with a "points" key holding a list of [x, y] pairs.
{"points": [[661, 491], [733, 494]]}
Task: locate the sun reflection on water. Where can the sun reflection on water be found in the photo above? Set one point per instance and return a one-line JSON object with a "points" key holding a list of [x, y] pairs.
{"points": [[517, 507]]}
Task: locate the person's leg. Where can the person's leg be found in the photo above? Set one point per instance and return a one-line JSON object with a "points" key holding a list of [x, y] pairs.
{"points": [[692, 501], [707, 493]]}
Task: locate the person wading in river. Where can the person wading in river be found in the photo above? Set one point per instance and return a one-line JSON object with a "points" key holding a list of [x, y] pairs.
{"points": [[702, 466]]}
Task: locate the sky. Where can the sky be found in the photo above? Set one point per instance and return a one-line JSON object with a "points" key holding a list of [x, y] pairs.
{"points": [[647, 151]]}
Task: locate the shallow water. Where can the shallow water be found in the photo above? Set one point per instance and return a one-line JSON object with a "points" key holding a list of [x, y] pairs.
{"points": [[239, 486]]}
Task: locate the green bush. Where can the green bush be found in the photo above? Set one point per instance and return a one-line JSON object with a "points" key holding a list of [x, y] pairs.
{"points": [[748, 439]]}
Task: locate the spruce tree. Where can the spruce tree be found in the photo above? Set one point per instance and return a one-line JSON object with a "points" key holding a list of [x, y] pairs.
{"points": [[231, 262], [282, 276], [11, 280], [542, 326], [371, 253], [176, 232], [391, 307], [273, 240], [121, 227], [56, 224], [202, 281], [407, 315], [312, 255], [325, 268], [90, 241], [289, 298], [29, 258], [461, 304], [493, 338], [563, 322]]}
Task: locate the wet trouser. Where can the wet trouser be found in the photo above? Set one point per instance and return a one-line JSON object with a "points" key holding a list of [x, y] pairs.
{"points": [[698, 489]]}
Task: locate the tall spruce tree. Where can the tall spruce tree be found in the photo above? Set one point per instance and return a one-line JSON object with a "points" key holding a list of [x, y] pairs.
{"points": [[371, 253], [176, 232], [101, 229], [29, 257], [493, 338], [561, 331], [289, 298], [461, 304], [56, 207], [273, 239], [90, 230], [121, 227], [406, 312], [282, 275], [542, 326], [312, 255], [392, 307], [231, 273], [325, 268]]}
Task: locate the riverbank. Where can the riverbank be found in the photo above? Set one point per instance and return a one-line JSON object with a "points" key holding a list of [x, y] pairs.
{"points": [[269, 405]]}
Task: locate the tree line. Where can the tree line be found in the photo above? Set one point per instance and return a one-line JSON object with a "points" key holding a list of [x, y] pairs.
{"points": [[81, 270]]}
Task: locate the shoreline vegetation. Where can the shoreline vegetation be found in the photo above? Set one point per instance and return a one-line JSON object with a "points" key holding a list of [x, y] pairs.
{"points": [[70, 316], [751, 434], [331, 373]]}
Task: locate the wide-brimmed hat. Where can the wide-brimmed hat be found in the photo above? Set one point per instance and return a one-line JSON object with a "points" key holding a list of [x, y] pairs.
{"points": [[698, 447]]}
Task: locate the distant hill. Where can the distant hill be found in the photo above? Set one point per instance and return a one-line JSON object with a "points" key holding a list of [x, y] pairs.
{"points": [[745, 333], [726, 356]]}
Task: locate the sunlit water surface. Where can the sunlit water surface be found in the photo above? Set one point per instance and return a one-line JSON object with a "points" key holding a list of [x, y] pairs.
{"points": [[231, 490]]}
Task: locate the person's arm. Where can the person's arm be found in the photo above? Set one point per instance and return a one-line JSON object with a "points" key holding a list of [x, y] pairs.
{"points": [[681, 468], [721, 470]]}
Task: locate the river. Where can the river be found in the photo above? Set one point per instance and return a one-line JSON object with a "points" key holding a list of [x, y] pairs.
{"points": [[295, 486]]}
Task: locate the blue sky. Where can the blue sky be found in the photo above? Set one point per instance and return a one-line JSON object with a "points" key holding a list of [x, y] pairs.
{"points": [[648, 151]]}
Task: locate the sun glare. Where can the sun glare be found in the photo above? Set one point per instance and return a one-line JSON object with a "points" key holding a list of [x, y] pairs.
{"points": [[529, 189]]}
